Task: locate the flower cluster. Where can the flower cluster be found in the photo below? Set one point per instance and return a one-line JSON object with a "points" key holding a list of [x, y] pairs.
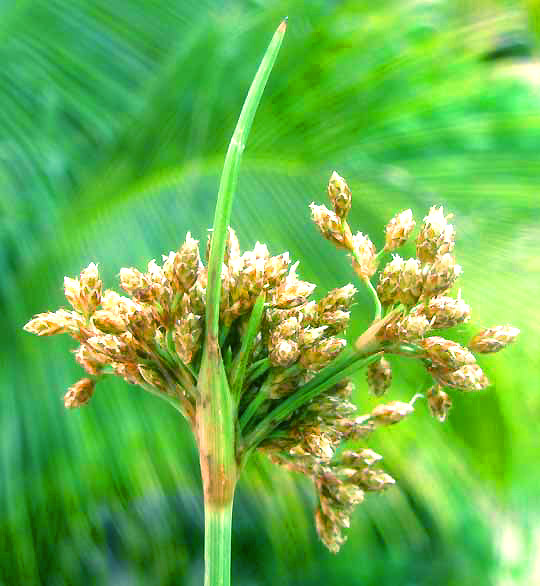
{"points": [[413, 301], [286, 362]]}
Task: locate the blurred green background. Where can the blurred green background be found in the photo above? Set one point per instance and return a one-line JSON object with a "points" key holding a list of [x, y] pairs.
{"points": [[114, 120]]}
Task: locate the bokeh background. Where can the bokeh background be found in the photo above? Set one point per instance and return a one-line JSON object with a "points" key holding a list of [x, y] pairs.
{"points": [[114, 121]]}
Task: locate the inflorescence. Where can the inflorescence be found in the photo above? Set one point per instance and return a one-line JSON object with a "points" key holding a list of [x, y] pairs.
{"points": [[290, 382]]}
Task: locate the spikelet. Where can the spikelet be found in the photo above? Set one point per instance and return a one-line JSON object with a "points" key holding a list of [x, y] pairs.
{"points": [[51, 323], [364, 260], [493, 339], [445, 312], [439, 402], [80, 393], [440, 275], [436, 236], [399, 229], [331, 227], [467, 378], [340, 195], [391, 413], [445, 353], [379, 377]]}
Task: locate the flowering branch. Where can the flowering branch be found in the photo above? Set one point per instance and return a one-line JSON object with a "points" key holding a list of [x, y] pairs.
{"points": [[242, 350]]}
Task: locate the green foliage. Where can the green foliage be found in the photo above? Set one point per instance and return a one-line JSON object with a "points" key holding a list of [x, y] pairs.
{"points": [[115, 118]]}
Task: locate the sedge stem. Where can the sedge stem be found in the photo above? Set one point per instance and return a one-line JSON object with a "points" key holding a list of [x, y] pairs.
{"points": [[217, 544], [376, 300]]}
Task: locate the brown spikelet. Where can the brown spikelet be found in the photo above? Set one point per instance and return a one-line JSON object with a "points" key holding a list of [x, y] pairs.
{"points": [[80, 393], [399, 229], [493, 339], [379, 377]]}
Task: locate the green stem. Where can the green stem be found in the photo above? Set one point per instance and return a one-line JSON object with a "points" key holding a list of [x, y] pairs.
{"points": [[264, 392], [240, 362], [215, 409], [371, 289], [254, 406], [217, 545], [256, 369], [377, 301]]}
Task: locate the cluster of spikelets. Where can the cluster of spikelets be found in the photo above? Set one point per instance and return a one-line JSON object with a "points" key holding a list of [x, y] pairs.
{"points": [[153, 337]]}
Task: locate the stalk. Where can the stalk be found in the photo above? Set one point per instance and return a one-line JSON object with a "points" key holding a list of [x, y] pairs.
{"points": [[217, 544], [216, 409]]}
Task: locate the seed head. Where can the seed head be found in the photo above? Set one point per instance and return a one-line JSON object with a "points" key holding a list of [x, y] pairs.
{"points": [[80, 393], [440, 275], [109, 322], [292, 291], [275, 269], [436, 236], [90, 288], [399, 229], [158, 284], [335, 321], [409, 327], [445, 353], [467, 378], [112, 347], [340, 195], [143, 323], [132, 280], [118, 304], [72, 291], [401, 282], [373, 480], [321, 353], [92, 362], [329, 533], [388, 286], [283, 344], [187, 336], [362, 458], [379, 377], [129, 371], [445, 312], [392, 412], [341, 298], [331, 227], [284, 353], [493, 339], [181, 268], [363, 256], [439, 402], [51, 323], [410, 282], [308, 336]]}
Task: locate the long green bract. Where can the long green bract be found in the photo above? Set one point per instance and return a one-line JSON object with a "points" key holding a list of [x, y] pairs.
{"points": [[240, 364], [229, 180], [328, 377]]}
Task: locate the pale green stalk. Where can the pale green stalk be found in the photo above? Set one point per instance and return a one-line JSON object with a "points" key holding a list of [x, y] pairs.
{"points": [[217, 544], [238, 371], [216, 409], [376, 300]]}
